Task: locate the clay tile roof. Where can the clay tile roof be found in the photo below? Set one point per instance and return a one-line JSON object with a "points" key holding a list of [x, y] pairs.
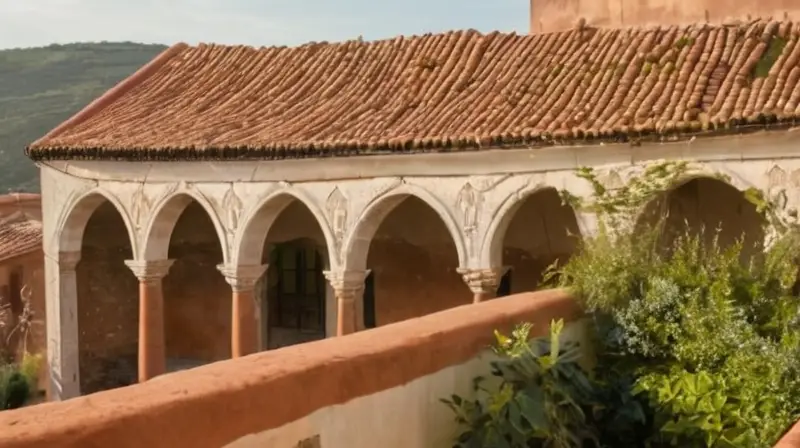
{"points": [[442, 92], [19, 238], [20, 231]]}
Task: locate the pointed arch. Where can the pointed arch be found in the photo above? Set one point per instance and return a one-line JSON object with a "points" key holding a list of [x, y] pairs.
{"points": [[162, 222], [491, 249], [70, 235], [249, 240], [703, 202], [357, 244]]}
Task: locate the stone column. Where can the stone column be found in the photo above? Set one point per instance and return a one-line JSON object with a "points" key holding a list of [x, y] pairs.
{"points": [[482, 282], [348, 287], [244, 307], [152, 346], [62, 327]]}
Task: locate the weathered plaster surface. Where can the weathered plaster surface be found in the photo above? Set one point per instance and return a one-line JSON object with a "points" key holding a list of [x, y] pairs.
{"points": [[559, 15]]}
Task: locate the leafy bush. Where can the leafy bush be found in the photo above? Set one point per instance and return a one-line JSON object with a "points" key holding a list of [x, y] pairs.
{"points": [[698, 342], [19, 370], [542, 400], [15, 389]]}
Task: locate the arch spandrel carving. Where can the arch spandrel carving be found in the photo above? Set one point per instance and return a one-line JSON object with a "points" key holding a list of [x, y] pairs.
{"points": [[68, 233], [357, 242], [491, 241], [261, 212], [164, 215]]}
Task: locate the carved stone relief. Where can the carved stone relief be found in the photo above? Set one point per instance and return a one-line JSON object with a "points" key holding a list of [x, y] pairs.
{"points": [[336, 208], [66, 197], [612, 180], [468, 203], [782, 186], [141, 206], [231, 213], [232, 207]]}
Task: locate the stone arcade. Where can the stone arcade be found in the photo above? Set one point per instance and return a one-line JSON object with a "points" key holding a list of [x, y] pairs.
{"points": [[225, 200]]}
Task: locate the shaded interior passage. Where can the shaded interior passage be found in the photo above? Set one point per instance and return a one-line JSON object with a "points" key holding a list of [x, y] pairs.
{"points": [[197, 299], [108, 304], [541, 231], [414, 266], [296, 302]]}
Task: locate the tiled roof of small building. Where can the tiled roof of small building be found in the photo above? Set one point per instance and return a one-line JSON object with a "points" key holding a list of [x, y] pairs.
{"points": [[20, 228], [19, 238], [442, 92]]}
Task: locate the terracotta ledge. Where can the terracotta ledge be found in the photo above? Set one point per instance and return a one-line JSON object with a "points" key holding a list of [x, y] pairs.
{"points": [[216, 404], [791, 439]]}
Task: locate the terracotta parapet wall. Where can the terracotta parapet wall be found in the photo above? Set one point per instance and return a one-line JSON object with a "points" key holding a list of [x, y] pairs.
{"points": [[215, 405], [791, 439]]}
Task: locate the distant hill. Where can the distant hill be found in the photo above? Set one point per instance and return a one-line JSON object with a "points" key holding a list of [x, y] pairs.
{"points": [[41, 87]]}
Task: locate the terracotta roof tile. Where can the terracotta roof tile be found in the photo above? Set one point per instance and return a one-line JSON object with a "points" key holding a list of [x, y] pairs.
{"points": [[451, 91], [18, 238]]}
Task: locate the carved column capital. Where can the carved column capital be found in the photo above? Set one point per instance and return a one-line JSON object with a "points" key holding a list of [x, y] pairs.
{"points": [[348, 283], [68, 260], [348, 286], [149, 270], [242, 277], [483, 280]]}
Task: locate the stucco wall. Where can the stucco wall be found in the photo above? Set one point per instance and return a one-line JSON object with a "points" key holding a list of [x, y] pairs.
{"points": [[559, 15], [370, 386], [405, 416]]}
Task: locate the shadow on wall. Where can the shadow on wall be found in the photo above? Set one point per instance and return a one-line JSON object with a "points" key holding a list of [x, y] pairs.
{"points": [[197, 299], [542, 231], [708, 204], [414, 266], [108, 304]]}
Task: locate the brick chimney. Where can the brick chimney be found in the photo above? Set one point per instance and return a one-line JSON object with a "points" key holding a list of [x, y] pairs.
{"points": [[559, 15]]}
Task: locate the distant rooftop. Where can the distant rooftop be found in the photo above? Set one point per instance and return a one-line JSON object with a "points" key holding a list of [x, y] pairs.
{"points": [[20, 233]]}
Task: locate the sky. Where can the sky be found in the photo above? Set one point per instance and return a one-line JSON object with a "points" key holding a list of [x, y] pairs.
{"points": [[32, 23]]}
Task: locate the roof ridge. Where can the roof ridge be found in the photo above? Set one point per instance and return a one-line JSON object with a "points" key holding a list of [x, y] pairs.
{"points": [[580, 26], [115, 92]]}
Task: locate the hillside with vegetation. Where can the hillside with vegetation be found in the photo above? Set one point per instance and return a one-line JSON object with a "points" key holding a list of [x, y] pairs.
{"points": [[41, 87]]}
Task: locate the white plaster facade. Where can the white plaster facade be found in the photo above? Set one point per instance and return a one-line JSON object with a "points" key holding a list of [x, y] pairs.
{"points": [[474, 193]]}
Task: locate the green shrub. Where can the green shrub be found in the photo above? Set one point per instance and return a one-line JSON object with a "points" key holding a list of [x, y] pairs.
{"points": [[544, 397], [29, 368], [14, 388], [709, 334], [697, 342]]}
